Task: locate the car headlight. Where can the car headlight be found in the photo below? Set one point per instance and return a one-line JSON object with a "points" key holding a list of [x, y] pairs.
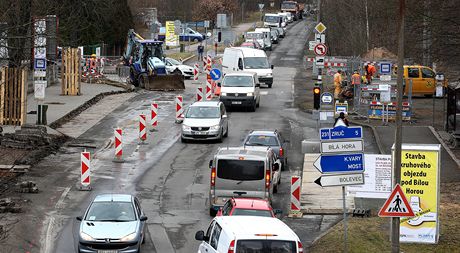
{"points": [[86, 237], [269, 74], [129, 237], [215, 128], [250, 94], [186, 128], [223, 94]]}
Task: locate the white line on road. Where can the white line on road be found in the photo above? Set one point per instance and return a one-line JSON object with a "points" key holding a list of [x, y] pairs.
{"points": [[160, 238], [264, 93], [48, 239], [60, 202]]}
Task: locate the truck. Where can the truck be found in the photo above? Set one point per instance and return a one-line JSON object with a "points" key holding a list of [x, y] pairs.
{"points": [[293, 7], [147, 69]]}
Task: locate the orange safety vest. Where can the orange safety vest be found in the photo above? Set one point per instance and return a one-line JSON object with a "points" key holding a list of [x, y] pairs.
{"points": [[92, 63], [355, 79], [337, 78]]}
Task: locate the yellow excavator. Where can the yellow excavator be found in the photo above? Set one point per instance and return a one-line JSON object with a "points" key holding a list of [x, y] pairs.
{"points": [[147, 69]]}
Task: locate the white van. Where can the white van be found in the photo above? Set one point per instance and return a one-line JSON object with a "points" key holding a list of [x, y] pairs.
{"points": [[274, 20], [258, 36], [267, 36], [241, 172], [238, 59], [244, 234], [240, 89]]}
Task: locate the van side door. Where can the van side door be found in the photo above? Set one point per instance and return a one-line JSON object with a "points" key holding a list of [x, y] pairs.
{"points": [[413, 73], [428, 77]]}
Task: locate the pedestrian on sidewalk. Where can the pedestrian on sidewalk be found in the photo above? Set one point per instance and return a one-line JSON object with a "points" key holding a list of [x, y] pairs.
{"points": [[356, 82], [337, 84], [200, 51]]}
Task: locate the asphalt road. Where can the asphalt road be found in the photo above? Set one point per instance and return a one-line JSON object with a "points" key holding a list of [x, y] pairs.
{"points": [[171, 178]]}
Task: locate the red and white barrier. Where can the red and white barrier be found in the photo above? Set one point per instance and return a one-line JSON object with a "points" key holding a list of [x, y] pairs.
{"points": [[208, 63], [196, 71], [118, 144], [154, 116], [179, 109], [199, 94], [208, 87], [142, 128], [295, 194], [85, 178], [390, 103]]}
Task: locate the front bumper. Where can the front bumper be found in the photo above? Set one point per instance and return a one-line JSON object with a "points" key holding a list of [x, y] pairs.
{"points": [[115, 247], [237, 101], [201, 135], [266, 79]]}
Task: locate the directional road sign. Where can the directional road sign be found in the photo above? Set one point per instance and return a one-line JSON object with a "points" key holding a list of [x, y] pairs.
{"points": [[344, 163], [320, 49], [342, 146], [341, 133], [215, 74], [340, 180], [396, 205]]}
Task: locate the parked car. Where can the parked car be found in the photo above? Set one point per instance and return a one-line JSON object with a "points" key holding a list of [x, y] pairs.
{"points": [[112, 221], [281, 32], [187, 34], [244, 234], [269, 138], [174, 66], [205, 120], [247, 207], [275, 35], [254, 44], [266, 36]]}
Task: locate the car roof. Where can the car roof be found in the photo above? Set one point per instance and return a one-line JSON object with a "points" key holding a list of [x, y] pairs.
{"points": [[113, 197], [263, 132], [249, 52], [242, 152], [241, 73], [249, 227], [206, 103], [251, 203]]}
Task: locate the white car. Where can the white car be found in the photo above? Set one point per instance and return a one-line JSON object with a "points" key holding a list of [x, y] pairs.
{"points": [[174, 66]]}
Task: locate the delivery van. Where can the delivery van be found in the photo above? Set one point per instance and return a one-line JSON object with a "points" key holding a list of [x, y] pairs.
{"points": [[238, 59], [244, 234], [267, 36], [258, 36], [240, 89], [241, 172], [423, 79]]}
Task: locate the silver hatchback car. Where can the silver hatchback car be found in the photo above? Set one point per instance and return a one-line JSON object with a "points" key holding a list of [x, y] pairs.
{"points": [[112, 223]]}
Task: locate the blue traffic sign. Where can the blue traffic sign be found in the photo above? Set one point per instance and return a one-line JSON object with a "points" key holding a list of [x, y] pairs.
{"points": [[215, 74], [385, 68], [341, 132], [346, 163], [40, 63]]}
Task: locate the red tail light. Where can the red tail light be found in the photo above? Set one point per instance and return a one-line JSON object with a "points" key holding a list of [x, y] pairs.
{"points": [[281, 152], [300, 246], [213, 176], [267, 178], [231, 248]]}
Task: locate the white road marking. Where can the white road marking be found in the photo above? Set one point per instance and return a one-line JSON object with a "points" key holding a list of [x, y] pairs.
{"points": [[48, 239], [60, 202], [160, 238], [264, 93]]}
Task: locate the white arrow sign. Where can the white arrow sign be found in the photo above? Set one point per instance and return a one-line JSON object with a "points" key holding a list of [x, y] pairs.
{"points": [[340, 180], [341, 146]]}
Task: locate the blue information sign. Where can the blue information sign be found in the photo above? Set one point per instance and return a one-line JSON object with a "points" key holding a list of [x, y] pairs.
{"points": [[346, 163], [341, 132], [385, 68], [215, 74]]}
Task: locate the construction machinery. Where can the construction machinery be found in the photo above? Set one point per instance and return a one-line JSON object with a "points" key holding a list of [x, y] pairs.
{"points": [[147, 69]]}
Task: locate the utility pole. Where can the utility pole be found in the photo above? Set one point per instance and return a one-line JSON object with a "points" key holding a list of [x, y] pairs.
{"points": [[398, 134], [318, 16]]}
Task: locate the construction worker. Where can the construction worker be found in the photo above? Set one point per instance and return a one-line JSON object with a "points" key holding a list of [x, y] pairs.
{"points": [[337, 84], [92, 64], [356, 83], [370, 71]]}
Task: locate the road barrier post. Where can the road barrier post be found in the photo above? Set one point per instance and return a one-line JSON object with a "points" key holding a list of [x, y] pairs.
{"points": [[295, 197], [153, 116], [85, 169], [196, 72], [118, 145], [208, 87], [142, 128], [199, 94], [179, 109]]}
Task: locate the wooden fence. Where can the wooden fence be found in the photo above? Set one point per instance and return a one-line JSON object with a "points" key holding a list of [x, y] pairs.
{"points": [[13, 96], [71, 72]]}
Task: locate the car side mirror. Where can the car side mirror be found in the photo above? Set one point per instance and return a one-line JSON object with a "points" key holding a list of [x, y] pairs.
{"points": [[210, 163], [276, 167], [278, 211], [257, 84], [272, 66], [219, 84], [79, 218], [199, 236], [143, 218]]}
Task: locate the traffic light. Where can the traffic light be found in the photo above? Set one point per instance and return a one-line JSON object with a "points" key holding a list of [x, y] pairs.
{"points": [[219, 37], [316, 97]]}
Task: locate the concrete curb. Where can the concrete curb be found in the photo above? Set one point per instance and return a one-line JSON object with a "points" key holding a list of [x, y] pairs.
{"points": [[188, 58], [324, 233], [449, 151]]}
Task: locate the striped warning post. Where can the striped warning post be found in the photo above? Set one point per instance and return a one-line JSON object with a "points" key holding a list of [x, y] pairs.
{"points": [[179, 109], [199, 94], [85, 178], [208, 87], [153, 116], [142, 128], [118, 145], [196, 71], [295, 196], [208, 63]]}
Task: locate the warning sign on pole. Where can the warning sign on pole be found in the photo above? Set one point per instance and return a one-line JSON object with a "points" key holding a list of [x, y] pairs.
{"points": [[396, 205]]}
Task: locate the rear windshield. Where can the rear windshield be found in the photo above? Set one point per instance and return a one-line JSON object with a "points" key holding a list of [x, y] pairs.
{"points": [[272, 19], [254, 36], [251, 212], [240, 170], [265, 246], [262, 140]]}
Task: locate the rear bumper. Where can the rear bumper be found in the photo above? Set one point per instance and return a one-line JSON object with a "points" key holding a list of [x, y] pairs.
{"points": [[266, 80]]}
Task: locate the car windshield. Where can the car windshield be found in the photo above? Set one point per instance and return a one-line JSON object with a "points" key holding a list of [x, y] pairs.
{"points": [[203, 112], [272, 19], [238, 81], [111, 211], [174, 61], [288, 6], [262, 140], [265, 246], [252, 212], [254, 36], [256, 63]]}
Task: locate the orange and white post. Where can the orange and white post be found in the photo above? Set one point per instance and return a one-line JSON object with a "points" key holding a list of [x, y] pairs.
{"points": [[295, 197], [154, 116], [142, 129], [179, 109], [118, 133], [85, 169]]}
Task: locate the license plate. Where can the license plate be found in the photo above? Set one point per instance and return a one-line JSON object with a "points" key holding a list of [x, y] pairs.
{"points": [[107, 251], [200, 133], [236, 102]]}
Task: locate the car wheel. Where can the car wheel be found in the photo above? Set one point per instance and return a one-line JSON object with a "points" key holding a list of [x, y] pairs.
{"points": [[195, 40], [258, 104], [177, 72], [221, 136], [270, 85], [142, 81], [183, 140], [212, 212], [226, 132], [252, 108], [275, 189]]}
